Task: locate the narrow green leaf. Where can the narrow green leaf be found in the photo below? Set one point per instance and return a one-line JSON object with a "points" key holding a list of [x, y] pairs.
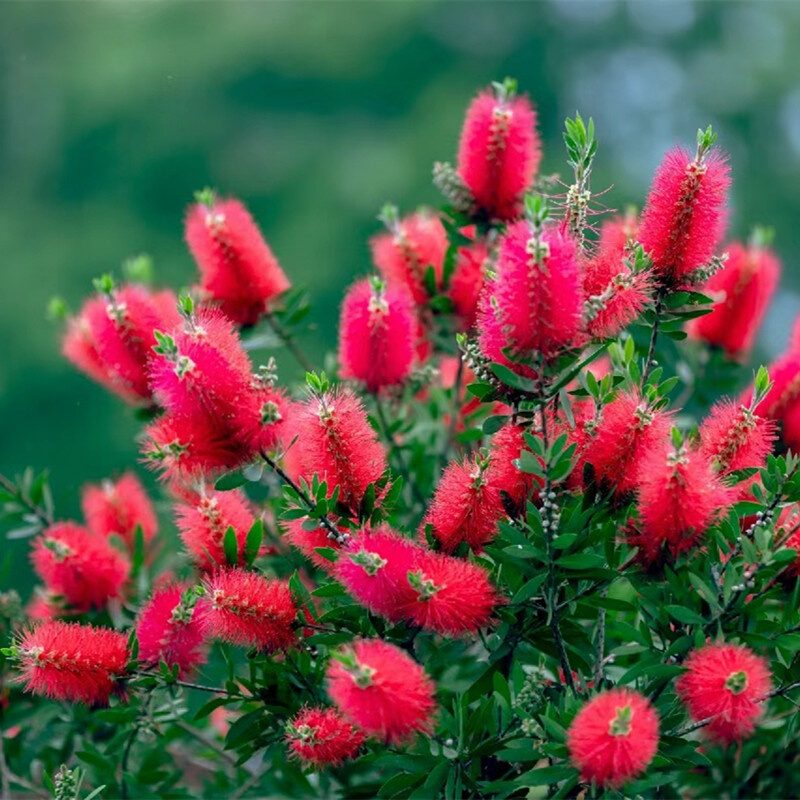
{"points": [[231, 547], [252, 544]]}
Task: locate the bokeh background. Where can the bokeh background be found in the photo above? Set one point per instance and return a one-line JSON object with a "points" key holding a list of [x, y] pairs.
{"points": [[315, 114]]}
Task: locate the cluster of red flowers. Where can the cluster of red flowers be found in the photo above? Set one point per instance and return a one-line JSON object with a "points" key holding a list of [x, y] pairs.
{"points": [[526, 290], [399, 579], [615, 735]]}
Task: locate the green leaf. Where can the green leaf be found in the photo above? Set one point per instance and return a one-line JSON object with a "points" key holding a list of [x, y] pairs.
{"points": [[545, 776], [579, 561], [512, 380], [299, 590], [233, 480], [684, 615], [138, 552], [480, 390], [493, 424], [252, 544], [328, 553], [231, 547]]}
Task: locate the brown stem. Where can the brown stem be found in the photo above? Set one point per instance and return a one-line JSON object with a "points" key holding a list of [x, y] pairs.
{"points": [[324, 520]]}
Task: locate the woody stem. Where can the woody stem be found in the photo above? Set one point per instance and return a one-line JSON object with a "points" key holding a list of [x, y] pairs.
{"points": [[324, 520], [651, 351], [549, 535]]}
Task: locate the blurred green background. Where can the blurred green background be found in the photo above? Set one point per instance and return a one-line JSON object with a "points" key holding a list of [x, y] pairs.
{"points": [[315, 114]]}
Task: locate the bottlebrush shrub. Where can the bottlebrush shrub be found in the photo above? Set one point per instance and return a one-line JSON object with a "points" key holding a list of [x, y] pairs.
{"points": [[528, 539]]}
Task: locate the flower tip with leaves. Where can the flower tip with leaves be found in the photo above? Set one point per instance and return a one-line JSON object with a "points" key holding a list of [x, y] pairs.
{"points": [[500, 150], [238, 270], [377, 334], [684, 218]]}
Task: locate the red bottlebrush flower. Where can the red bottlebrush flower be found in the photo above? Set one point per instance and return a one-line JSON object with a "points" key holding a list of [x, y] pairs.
{"points": [[201, 369], [625, 432], [499, 153], [219, 414], [532, 305], [613, 737], [448, 595], [322, 737], [374, 568], [684, 219], [404, 253], [741, 290], [247, 609], [382, 690], [307, 542], [679, 497], [466, 282], [732, 437], [492, 339], [238, 271], [507, 446], [728, 683], [377, 334], [203, 525], [170, 628], [79, 663], [336, 442], [191, 447], [465, 507], [616, 295], [86, 569], [118, 508], [111, 339]]}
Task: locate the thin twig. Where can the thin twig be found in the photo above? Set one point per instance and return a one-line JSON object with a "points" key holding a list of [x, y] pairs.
{"points": [[601, 644], [208, 742], [549, 534], [189, 685], [289, 342], [648, 364], [211, 689], [333, 533]]}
